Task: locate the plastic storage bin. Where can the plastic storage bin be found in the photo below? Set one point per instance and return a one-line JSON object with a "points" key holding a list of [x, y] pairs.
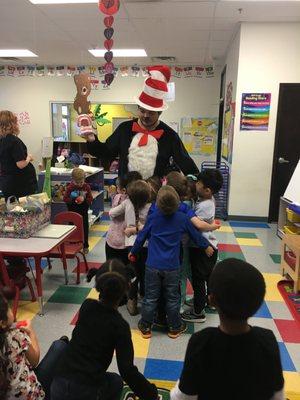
{"points": [[291, 230], [292, 216]]}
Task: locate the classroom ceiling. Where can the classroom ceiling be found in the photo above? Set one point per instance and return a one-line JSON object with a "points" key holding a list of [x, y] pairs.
{"points": [[190, 30]]}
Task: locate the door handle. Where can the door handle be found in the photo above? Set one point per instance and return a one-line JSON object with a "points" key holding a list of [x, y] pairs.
{"points": [[281, 160]]}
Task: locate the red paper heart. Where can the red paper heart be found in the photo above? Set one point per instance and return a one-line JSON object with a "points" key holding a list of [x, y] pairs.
{"points": [[108, 56], [108, 33], [108, 21], [108, 44], [109, 68], [109, 7], [109, 78]]}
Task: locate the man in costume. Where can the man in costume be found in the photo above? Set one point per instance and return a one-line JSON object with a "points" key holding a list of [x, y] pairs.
{"points": [[147, 144]]}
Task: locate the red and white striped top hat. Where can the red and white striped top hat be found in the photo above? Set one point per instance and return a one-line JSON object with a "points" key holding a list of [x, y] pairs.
{"points": [[155, 89]]}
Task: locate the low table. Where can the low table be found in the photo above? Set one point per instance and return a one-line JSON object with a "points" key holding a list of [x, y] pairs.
{"points": [[37, 248]]}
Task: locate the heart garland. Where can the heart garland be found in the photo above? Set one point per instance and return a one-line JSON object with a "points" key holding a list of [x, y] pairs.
{"points": [[109, 7]]}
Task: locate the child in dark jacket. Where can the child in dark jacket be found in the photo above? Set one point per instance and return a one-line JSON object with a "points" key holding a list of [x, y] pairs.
{"points": [[101, 331], [78, 197], [164, 229]]}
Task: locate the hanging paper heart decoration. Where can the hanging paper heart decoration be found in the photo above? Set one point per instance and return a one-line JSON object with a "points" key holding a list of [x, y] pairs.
{"points": [[108, 44], [109, 78], [108, 33], [108, 56], [109, 68], [109, 7], [108, 21]]}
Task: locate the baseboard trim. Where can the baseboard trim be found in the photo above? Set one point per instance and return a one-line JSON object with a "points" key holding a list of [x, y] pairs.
{"points": [[247, 218]]}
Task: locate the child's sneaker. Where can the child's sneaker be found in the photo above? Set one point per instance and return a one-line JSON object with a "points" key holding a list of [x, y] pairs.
{"points": [[191, 316], [175, 333], [145, 329]]}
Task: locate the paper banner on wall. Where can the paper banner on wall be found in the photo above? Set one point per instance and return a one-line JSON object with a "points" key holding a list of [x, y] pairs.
{"points": [[255, 111], [200, 138], [228, 124]]}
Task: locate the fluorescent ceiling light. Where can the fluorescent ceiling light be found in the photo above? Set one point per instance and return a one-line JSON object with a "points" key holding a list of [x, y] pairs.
{"points": [[16, 53], [63, 1], [120, 52]]}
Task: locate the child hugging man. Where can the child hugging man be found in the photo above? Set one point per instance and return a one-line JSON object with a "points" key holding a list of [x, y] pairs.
{"points": [[78, 197], [164, 229], [209, 182], [234, 361]]}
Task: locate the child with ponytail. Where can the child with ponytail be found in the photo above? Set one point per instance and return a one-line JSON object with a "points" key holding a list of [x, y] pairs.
{"points": [[101, 330]]}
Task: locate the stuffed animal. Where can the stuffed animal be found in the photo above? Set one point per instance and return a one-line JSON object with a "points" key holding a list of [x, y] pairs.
{"points": [[83, 84]]}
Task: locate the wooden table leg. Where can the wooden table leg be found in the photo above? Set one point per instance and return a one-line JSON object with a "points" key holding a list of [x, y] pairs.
{"points": [[38, 281]]}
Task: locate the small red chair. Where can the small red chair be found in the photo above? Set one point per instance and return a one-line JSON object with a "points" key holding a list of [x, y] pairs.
{"points": [[12, 285], [73, 244]]}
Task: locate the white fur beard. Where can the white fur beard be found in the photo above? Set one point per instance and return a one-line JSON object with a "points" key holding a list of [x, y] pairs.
{"points": [[143, 158]]}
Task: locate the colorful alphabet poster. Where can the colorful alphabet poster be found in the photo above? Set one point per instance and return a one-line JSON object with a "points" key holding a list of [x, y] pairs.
{"points": [[255, 111]]}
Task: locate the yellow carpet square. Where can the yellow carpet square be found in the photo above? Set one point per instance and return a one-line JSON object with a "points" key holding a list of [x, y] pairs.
{"points": [[272, 292], [93, 294], [292, 385], [141, 345], [249, 242], [27, 310], [226, 229], [163, 384], [93, 240], [99, 228]]}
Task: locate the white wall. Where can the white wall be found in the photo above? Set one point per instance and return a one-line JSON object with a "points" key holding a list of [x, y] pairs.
{"points": [[194, 97], [269, 55]]}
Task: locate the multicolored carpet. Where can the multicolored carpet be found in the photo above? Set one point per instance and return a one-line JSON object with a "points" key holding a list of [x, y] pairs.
{"points": [[161, 358]]}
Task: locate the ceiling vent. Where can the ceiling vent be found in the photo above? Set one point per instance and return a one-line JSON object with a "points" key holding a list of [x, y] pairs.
{"points": [[166, 59]]}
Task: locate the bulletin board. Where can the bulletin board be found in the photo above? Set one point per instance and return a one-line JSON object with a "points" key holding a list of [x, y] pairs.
{"points": [[199, 135]]}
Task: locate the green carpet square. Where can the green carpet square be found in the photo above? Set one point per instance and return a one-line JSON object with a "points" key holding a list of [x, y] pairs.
{"points": [[276, 258], [245, 235], [69, 295], [223, 255]]}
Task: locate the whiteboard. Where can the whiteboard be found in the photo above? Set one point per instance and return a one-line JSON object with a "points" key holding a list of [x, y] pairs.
{"points": [[292, 192]]}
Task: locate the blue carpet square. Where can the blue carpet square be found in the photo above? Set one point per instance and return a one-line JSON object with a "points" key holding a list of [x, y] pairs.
{"points": [[245, 224], [105, 218], [44, 262], [286, 361], [164, 370], [263, 312]]}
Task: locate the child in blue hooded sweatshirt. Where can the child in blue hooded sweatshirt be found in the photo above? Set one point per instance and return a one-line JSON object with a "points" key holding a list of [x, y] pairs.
{"points": [[164, 230]]}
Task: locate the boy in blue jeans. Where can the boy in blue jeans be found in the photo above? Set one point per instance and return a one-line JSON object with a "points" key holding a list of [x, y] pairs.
{"points": [[164, 230]]}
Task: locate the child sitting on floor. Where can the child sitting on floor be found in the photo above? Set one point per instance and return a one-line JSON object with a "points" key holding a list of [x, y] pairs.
{"points": [[101, 331], [20, 375], [135, 210], [78, 197], [234, 361], [209, 182], [164, 229], [115, 239]]}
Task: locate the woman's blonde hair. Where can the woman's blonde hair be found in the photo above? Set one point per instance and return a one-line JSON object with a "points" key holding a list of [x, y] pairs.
{"points": [[8, 123]]}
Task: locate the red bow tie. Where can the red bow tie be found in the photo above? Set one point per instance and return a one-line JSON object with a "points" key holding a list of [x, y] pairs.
{"points": [[144, 139]]}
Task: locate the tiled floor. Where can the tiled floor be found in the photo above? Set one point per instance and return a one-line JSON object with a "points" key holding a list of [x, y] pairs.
{"points": [[161, 358]]}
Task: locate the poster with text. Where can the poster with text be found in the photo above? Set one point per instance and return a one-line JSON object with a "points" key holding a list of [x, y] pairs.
{"points": [[199, 135], [255, 111]]}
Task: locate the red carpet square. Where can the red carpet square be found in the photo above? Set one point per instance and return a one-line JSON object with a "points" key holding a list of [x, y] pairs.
{"points": [[229, 248], [90, 265], [189, 288], [75, 319], [289, 330]]}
